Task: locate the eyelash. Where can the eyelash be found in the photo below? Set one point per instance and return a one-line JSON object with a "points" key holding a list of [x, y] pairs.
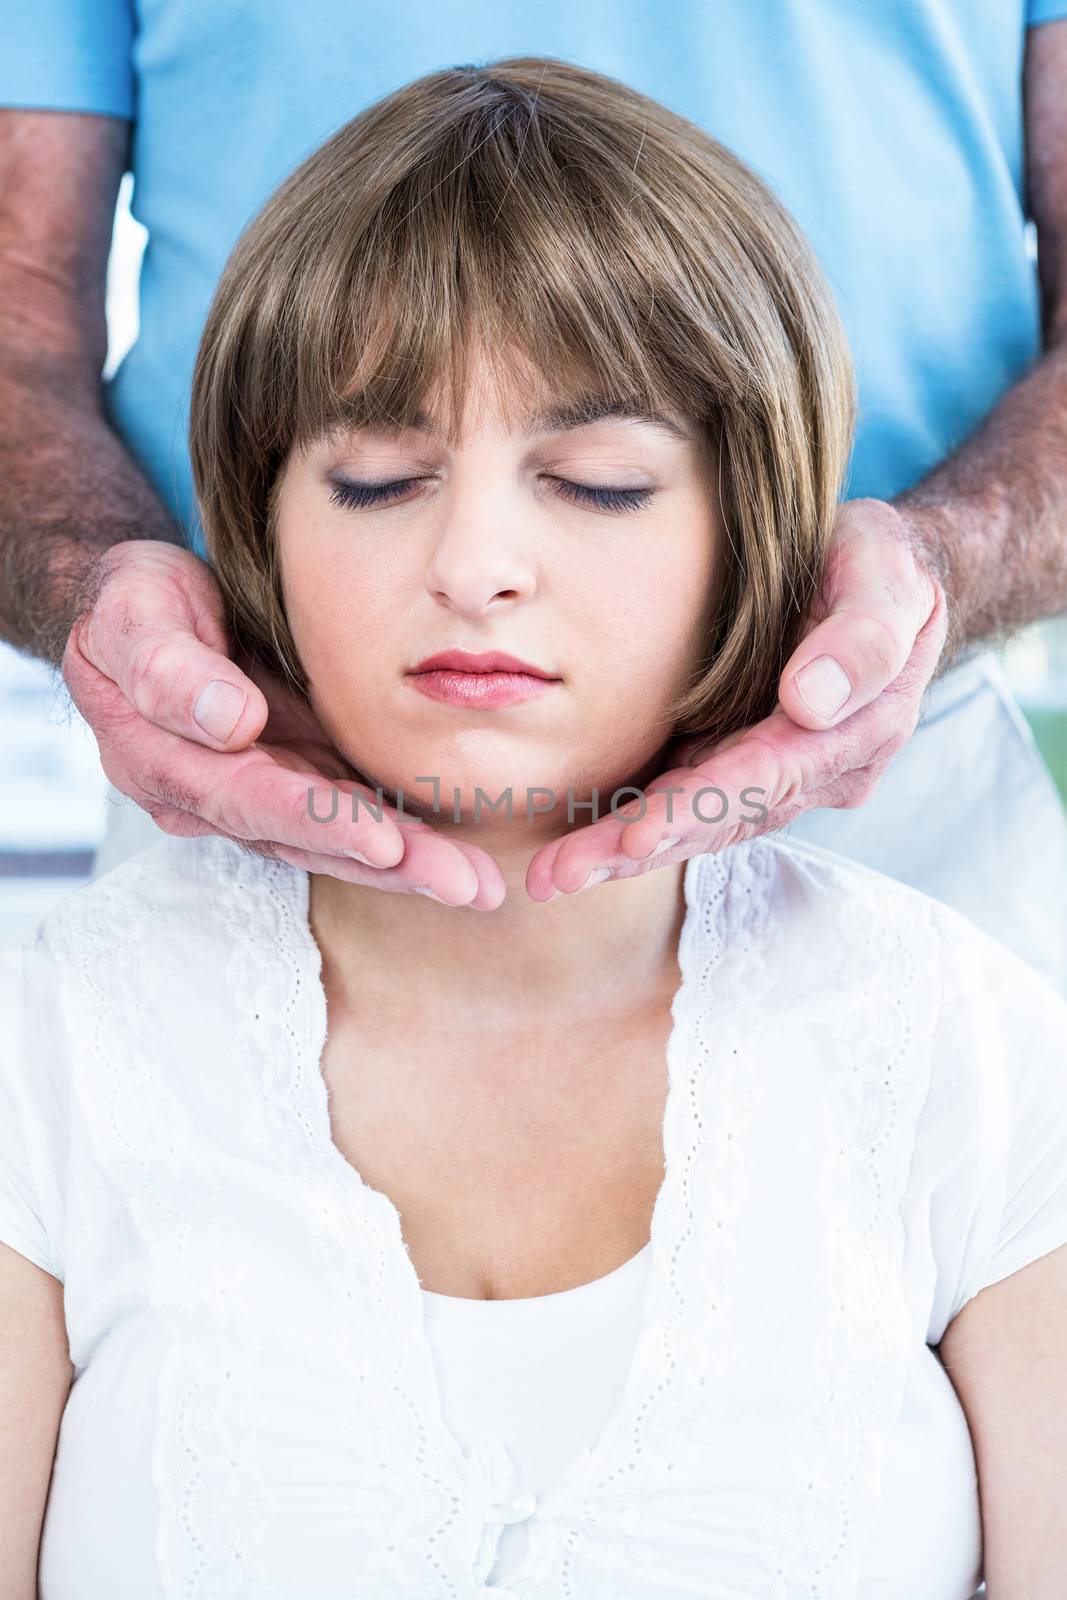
{"points": [[358, 496]]}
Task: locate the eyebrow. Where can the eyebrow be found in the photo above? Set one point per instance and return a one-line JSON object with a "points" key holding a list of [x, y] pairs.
{"points": [[594, 408], [580, 413]]}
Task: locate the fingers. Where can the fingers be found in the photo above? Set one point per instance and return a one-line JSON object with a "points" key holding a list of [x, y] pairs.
{"points": [[300, 816], [156, 630], [880, 597], [593, 855], [456, 875], [696, 809], [755, 782], [147, 661], [238, 793]]}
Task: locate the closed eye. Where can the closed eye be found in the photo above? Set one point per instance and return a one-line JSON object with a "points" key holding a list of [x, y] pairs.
{"points": [[358, 496]]}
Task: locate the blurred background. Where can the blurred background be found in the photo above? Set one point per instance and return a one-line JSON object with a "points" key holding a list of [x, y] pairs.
{"points": [[53, 793]]}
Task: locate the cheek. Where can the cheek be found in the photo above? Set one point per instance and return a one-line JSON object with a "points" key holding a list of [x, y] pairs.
{"points": [[306, 590], [662, 596], [338, 603]]}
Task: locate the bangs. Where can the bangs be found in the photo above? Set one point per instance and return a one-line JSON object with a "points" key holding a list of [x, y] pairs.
{"points": [[496, 240]]}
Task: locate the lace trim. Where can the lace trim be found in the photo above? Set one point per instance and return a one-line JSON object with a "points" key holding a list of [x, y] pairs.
{"points": [[595, 1539], [589, 1477], [361, 1355], [878, 1071]]}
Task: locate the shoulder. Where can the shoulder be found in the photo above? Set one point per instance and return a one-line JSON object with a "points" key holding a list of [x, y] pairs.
{"points": [[843, 952], [862, 970], [72, 55], [153, 950], [817, 920], [117, 923], [165, 892], [151, 985], [806, 890], [814, 875], [802, 881]]}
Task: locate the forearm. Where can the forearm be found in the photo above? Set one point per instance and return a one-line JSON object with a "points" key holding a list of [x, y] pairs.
{"points": [[991, 519], [68, 491]]}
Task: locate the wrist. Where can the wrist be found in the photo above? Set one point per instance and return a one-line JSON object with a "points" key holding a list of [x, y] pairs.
{"points": [[77, 571], [927, 529]]}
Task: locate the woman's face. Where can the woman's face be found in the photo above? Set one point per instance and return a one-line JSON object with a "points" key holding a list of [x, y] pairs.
{"points": [[486, 548]]}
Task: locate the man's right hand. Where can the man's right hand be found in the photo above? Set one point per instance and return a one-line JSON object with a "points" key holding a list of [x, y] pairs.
{"points": [[206, 747]]}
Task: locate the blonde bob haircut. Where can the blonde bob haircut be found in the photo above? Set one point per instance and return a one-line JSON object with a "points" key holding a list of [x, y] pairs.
{"points": [[535, 204]]}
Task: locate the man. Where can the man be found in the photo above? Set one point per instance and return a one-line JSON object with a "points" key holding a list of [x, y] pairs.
{"points": [[909, 141]]}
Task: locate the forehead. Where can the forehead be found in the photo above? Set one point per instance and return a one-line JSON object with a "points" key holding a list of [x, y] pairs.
{"points": [[580, 412]]}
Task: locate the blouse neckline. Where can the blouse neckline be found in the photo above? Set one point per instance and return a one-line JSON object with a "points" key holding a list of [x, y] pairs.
{"points": [[400, 1297], [788, 1143], [579, 1300]]}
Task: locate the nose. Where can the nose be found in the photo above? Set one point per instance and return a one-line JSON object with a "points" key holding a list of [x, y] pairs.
{"points": [[480, 561]]}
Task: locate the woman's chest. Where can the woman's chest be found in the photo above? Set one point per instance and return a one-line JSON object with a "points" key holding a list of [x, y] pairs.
{"points": [[779, 1318], [750, 1440], [519, 1166]]}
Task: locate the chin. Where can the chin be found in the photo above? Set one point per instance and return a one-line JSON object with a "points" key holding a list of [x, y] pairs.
{"points": [[508, 787]]}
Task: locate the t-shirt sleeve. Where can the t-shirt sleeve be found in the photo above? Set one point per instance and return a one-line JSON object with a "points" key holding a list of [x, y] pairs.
{"points": [[1045, 11], [1000, 1095], [68, 55], [25, 1138]]}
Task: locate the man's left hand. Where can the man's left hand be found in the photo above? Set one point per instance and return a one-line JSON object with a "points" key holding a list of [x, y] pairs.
{"points": [[848, 700]]}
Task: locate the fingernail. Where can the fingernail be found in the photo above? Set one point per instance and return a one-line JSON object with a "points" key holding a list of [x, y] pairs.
{"points": [[823, 685], [418, 888], [598, 875], [355, 855], [218, 708]]}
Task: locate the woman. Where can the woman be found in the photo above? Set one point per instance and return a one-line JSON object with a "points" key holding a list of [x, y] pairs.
{"points": [[600, 1247]]}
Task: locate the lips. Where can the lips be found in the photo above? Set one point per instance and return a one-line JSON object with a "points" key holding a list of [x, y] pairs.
{"points": [[486, 662]]}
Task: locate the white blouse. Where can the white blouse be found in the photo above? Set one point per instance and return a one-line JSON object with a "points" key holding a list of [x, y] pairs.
{"points": [[866, 1122], [540, 1376]]}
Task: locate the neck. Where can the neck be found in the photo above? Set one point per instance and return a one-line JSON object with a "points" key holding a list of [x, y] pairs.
{"points": [[593, 950]]}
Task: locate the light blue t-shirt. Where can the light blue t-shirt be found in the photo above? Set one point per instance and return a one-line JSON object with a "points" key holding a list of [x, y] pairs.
{"points": [[892, 129]]}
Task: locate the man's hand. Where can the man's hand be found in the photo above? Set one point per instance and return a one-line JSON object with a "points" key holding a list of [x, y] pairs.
{"points": [[849, 699], [206, 747]]}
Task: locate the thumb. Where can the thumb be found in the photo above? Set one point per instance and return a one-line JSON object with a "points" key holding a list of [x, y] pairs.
{"points": [[155, 631], [180, 684], [879, 598]]}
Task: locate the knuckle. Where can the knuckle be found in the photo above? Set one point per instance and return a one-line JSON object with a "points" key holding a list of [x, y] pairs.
{"points": [[179, 824], [118, 774], [79, 672], [194, 827], [110, 620], [115, 609], [154, 668], [227, 814], [773, 768], [300, 809], [877, 646], [858, 756], [895, 743], [72, 654], [241, 805], [789, 782], [891, 737]]}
